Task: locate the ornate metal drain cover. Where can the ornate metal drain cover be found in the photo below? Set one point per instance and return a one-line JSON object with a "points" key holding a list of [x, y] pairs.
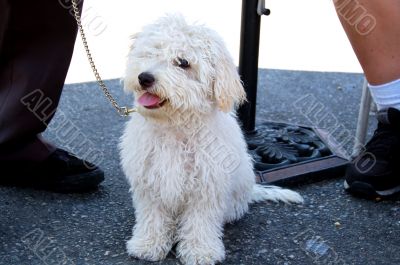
{"points": [[288, 154]]}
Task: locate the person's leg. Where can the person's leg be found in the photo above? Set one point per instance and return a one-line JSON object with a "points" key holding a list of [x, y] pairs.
{"points": [[4, 16], [36, 44], [38, 40], [373, 28]]}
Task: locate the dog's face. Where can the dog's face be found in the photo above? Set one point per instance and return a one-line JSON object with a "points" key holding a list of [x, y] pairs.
{"points": [[176, 68]]}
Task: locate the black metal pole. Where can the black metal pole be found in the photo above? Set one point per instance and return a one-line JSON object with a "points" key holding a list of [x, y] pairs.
{"points": [[248, 61]]}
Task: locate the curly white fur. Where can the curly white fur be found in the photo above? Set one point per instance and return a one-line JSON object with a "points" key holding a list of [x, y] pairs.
{"points": [[187, 161]]}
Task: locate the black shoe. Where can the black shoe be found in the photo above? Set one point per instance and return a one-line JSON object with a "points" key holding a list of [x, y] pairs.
{"points": [[61, 172], [376, 171]]}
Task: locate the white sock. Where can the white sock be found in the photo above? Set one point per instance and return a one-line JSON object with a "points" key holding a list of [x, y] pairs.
{"points": [[386, 95]]}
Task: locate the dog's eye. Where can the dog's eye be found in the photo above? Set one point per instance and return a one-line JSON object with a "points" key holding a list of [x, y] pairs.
{"points": [[182, 63]]}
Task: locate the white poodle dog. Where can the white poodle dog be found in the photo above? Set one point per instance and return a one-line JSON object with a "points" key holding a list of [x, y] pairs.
{"points": [[183, 152]]}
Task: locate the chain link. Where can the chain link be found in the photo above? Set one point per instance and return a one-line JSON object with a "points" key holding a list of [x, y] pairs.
{"points": [[123, 111]]}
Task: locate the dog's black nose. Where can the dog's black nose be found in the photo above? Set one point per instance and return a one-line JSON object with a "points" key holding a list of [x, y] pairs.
{"points": [[146, 79]]}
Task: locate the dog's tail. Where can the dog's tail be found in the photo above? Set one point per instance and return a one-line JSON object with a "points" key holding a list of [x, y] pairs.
{"points": [[274, 193]]}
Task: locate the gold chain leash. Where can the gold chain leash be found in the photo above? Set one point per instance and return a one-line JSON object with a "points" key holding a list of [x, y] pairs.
{"points": [[123, 111]]}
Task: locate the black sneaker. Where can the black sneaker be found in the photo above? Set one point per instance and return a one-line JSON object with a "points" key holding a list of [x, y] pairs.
{"points": [[61, 172], [376, 171]]}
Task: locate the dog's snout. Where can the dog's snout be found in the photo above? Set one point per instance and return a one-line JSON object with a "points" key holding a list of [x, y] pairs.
{"points": [[146, 79]]}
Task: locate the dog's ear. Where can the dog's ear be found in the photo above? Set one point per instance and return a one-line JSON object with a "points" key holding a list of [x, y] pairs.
{"points": [[228, 88]]}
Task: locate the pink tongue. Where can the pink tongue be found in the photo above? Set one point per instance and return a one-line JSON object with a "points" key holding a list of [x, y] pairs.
{"points": [[149, 100]]}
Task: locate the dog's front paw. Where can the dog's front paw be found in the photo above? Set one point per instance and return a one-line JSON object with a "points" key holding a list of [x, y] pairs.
{"points": [[146, 249], [193, 253]]}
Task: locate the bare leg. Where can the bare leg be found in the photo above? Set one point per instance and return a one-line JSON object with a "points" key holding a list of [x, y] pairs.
{"points": [[373, 28]]}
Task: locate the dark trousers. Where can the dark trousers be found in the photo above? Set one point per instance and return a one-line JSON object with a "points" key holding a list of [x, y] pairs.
{"points": [[36, 44]]}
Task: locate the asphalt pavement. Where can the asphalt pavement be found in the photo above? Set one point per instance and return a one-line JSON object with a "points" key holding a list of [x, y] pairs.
{"points": [[331, 227]]}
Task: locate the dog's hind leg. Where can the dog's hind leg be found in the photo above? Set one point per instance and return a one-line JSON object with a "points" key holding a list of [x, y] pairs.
{"points": [[242, 183], [153, 233], [238, 206]]}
